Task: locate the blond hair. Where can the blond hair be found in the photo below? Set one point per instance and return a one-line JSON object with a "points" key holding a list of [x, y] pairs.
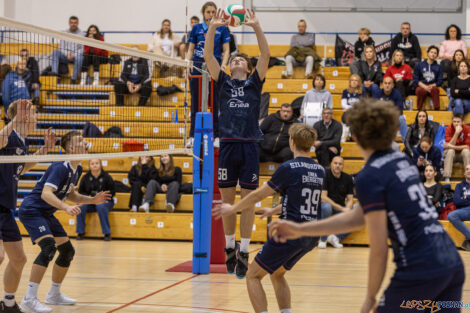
{"points": [[364, 30], [359, 86], [303, 136]]}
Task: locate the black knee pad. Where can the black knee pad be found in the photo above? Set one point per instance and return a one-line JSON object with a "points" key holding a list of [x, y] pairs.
{"points": [[66, 253], [48, 249]]}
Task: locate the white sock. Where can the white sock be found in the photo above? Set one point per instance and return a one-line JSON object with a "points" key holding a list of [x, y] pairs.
{"points": [[9, 299], [134, 208], [244, 245], [264, 312], [286, 311], [55, 288], [230, 241], [32, 290]]}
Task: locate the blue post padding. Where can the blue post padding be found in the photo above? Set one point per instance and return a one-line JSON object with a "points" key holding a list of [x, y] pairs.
{"points": [[203, 184]]}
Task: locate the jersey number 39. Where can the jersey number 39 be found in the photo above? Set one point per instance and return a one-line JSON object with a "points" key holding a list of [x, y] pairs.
{"points": [[311, 201]]}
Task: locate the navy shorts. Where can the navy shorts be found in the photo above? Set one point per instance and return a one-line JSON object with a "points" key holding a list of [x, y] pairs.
{"points": [[9, 231], [273, 254], [238, 163], [400, 294], [39, 225]]}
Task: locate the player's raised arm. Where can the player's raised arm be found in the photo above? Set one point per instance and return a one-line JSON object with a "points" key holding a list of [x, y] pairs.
{"points": [[263, 61], [21, 118], [50, 139], [211, 62]]}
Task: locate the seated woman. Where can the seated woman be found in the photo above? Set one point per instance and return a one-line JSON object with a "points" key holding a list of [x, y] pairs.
{"points": [[93, 182], [426, 153], [140, 176], [315, 100], [349, 97], [460, 89], [93, 56], [401, 73], [421, 127], [370, 71], [166, 43], [454, 66], [168, 181], [449, 46], [432, 187]]}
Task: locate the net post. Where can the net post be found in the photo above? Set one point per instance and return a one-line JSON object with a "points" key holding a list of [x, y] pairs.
{"points": [[204, 88]]}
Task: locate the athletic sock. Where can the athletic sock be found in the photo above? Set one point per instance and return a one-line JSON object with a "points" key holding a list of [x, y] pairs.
{"points": [[9, 299], [286, 311], [32, 290], [230, 241], [244, 245], [55, 288]]}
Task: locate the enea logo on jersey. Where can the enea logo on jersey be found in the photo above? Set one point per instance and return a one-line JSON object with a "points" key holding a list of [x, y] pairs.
{"points": [[235, 103]]}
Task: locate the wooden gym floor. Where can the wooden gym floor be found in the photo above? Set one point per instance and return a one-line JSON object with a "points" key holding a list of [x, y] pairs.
{"points": [[129, 276]]}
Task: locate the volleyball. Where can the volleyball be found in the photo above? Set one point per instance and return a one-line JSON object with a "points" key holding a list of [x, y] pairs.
{"points": [[234, 14]]}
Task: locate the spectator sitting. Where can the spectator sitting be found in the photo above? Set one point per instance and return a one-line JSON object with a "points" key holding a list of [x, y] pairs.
{"points": [[454, 66], [14, 87], [69, 52], [462, 202], [168, 181], [448, 47], [165, 42], [409, 43], [275, 128], [401, 73], [370, 71], [139, 177], [315, 100], [432, 187], [349, 97], [95, 181], [93, 56], [135, 78], [302, 52], [427, 76], [337, 196], [390, 93], [457, 145], [32, 83], [427, 154], [421, 127], [328, 143], [183, 48], [363, 41], [460, 89]]}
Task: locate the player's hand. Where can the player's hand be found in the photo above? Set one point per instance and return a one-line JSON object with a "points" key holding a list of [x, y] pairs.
{"points": [[282, 230], [23, 111], [458, 129], [73, 210], [102, 197], [50, 139], [35, 85], [164, 188], [218, 19], [368, 306], [333, 149], [224, 209], [251, 19], [267, 212], [223, 67]]}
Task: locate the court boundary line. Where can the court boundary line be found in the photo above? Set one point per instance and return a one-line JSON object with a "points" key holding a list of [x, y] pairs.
{"points": [[162, 305]]}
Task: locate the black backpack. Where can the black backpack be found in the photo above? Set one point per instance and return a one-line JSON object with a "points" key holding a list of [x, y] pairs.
{"points": [[90, 130], [113, 132]]}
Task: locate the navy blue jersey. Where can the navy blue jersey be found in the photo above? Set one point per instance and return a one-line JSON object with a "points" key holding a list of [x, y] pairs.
{"points": [[61, 177], [422, 249], [239, 102], [198, 38], [300, 183], [10, 172]]}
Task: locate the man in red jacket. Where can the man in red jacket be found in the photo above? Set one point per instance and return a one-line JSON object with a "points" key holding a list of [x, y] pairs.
{"points": [[457, 145]]}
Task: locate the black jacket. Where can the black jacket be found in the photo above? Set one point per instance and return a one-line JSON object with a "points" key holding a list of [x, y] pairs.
{"points": [[90, 186], [275, 132], [177, 176], [331, 136], [359, 46], [373, 73], [143, 71], [147, 174], [410, 51], [33, 66], [412, 136]]}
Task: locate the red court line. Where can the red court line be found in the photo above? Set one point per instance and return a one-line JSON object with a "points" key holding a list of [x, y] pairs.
{"points": [[168, 305], [153, 293]]}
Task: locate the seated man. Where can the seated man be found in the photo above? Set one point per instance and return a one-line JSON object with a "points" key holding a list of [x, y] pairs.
{"points": [[275, 128], [337, 196], [457, 145], [329, 131], [32, 79], [409, 43], [302, 52], [135, 78], [14, 87], [462, 202], [69, 52]]}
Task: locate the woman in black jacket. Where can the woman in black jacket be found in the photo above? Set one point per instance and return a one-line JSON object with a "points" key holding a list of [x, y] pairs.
{"points": [[168, 181], [95, 181], [433, 188], [139, 176], [460, 89], [420, 128], [370, 71]]}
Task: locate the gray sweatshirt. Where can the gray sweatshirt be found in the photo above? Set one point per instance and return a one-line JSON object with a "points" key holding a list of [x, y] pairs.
{"points": [[67, 47], [305, 40], [317, 96]]}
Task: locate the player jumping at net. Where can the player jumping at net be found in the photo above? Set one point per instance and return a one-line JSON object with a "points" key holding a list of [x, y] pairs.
{"points": [[393, 204], [239, 103], [300, 182], [36, 213], [22, 115]]}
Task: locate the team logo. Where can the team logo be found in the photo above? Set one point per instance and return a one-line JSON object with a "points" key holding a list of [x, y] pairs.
{"points": [[254, 178], [19, 151], [235, 103]]}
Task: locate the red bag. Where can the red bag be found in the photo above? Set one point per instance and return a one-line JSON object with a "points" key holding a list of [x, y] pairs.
{"points": [[132, 145], [446, 210]]}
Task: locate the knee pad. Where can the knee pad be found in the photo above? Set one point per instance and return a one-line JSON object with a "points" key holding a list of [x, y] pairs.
{"points": [[66, 253], [48, 249]]}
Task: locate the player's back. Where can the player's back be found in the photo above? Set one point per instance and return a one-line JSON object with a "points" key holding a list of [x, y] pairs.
{"points": [[421, 245]]}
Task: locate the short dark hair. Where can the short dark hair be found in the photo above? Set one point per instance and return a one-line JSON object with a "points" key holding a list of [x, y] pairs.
{"points": [[426, 139], [458, 115], [286, 105], [406, 23], [432, 47], [73, 17], [195, 17], [459, 32], [302, 21], [321, 77], [67, 138], [244, 56], [24, 50]]}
